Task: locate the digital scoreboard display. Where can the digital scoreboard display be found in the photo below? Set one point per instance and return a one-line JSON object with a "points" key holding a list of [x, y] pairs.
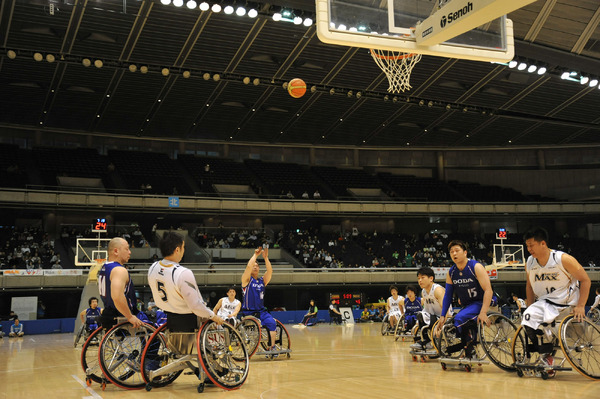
{"points": [[502, 233], [343, 299], [99, 225]]}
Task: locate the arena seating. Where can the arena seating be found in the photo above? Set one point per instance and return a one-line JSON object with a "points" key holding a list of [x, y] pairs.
{"points": [[14, 163], [220, 171]]}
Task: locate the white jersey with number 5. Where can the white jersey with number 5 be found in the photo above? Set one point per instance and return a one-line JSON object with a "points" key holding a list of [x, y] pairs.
{"points": [[174, 289], [552, 282]]}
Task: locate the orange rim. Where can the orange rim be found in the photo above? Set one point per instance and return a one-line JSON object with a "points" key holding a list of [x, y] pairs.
{"points": [[392, 57]]}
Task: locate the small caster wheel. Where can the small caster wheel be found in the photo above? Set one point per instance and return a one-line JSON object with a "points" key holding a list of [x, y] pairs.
{"points": [[148, 387], [544, 375], [414, 358], [443, 366], [423, 359], [200, 388], [468, 368], [88, 382], [520, 373], [288, 355], [103, 385]]}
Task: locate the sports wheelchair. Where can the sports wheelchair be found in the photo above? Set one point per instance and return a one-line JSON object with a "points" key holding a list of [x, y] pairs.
{"points": [[594, 315], [400, 330], [491, 342], [215, 354], [578, 342], [253, 334]]}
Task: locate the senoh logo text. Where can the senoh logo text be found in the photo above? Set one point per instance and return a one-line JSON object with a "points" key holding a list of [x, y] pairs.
{"points": [[453, 16]]}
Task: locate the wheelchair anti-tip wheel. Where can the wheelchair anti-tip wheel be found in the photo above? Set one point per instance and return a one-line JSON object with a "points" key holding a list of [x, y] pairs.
{"points": [[158, 354], [282, 338], [496, 340], [120, 354], [222, 355], [89, 357], [250, 331], [580, 342]]}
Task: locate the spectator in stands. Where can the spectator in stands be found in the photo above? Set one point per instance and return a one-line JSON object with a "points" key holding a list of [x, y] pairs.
{"points": [[289, 194], [305, 195], [16, 330], [365, 315], [317, 195], [207, 168], [408, 259]]}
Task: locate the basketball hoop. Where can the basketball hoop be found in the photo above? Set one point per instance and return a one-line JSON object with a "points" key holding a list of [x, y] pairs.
{"points": [[397, 67]]}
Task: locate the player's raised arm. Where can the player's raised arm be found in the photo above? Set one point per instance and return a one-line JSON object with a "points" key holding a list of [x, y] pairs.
{"points": [[248, 271], [269, 272], [573, 267], [488, 293]]}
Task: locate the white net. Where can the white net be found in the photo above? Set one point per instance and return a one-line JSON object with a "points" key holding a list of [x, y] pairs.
{"points": [[397, 67]]}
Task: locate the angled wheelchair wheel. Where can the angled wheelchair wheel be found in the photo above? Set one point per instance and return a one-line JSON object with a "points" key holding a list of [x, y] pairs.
{"points": [[399, 327], [158, 354], [222, 355], [448, 339], [519, 348], [250, 331], [496, 340], [432, 338], [89, 357], [385, 325], [282, 338], [594, 315], [580, 342], [80, 333], [120, 354]]}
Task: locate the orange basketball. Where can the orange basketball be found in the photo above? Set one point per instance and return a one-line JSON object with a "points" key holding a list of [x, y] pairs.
{"points": [[296, 88]]}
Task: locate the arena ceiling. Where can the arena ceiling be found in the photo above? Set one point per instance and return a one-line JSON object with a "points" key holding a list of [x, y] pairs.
{"points": [[453, 103]]}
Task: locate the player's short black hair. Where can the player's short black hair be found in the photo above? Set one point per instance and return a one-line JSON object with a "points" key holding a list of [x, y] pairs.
{"points": [[411, 288], [539, 234], [169, 242], [91, 299], [460, 243], [231, 288], [393, 287], [426, 271]]}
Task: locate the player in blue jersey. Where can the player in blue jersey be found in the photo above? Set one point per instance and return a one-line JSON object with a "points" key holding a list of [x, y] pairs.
{"points": [[116, 288], [470, 282], [91, 315], [412, 306], [253, 288]]}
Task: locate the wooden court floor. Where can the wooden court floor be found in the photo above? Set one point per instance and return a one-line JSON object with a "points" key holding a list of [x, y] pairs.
{"points": [[327, 362]]}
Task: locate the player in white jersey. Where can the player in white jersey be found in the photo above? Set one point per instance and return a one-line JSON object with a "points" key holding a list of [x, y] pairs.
{"points": [[228, 307], [555, 282], [519, 303], [432, 297], [394, 306], [174, 288], [596, 304]]}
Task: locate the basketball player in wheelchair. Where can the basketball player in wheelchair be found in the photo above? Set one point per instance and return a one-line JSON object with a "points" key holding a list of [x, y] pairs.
{"points": [[556, 286]]}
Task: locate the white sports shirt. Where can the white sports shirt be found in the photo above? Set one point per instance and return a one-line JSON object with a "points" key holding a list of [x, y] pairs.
{"points": [[227, 308], [174, 289], [394, 305], [430, 303], [552, 282]]}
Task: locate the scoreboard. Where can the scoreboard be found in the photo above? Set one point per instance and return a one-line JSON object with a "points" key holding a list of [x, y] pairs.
{"points": [[343, 299]]}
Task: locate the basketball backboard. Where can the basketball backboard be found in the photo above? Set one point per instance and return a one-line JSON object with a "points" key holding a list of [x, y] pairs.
{"points": [[508, 255], [397, 25], [89, 250]]}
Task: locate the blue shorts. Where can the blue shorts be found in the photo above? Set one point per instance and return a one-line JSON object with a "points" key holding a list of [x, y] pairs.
{"points": [[469, 312], [265, 317]]}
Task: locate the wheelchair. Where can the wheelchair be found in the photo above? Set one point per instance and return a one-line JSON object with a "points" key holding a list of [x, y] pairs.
{"points": [[215, 354], [425, 353], [84, 333], [119, 356], [574, 339], [253, 334], [89, 358], [594, 315], [491, 342]]}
